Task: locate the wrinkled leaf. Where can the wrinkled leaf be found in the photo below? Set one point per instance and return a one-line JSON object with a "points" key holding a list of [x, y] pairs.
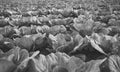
{"points": [[96, 46], [114, 63]]}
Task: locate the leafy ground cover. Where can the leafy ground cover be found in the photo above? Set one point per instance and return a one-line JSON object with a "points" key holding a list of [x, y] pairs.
{"points": [[60, 36]]}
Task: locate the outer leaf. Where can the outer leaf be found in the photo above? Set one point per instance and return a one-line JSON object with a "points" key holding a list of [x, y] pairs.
{"points": [[79, 39], [91, 66], [6, 66], [95, 65], [114, 63], [96, 46], [25, 61], [41, 63]]}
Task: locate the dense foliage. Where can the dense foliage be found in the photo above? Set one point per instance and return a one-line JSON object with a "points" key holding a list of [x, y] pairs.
{"points": [[60, 36]]}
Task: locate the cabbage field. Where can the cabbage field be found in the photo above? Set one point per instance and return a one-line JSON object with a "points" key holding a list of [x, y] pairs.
{"points": [[59, 35]]}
